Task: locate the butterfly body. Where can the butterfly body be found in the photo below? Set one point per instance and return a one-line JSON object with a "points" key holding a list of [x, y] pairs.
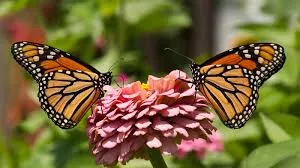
{"points": [[68, 87], [231, 80]]}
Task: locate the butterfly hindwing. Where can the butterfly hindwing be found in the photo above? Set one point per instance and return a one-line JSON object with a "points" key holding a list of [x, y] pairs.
{"points": [[230, 80], [232, 91], [66, 95]]}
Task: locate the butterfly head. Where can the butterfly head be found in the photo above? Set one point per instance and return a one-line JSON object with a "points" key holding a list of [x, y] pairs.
{"points": [[107, 78], [195, 68]]}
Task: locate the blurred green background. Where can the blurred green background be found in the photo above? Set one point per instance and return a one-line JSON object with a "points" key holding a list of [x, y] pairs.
{"points": [[103, 31]]}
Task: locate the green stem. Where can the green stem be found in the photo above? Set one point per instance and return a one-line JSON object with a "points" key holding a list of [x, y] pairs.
{"points": [[156, 158]]}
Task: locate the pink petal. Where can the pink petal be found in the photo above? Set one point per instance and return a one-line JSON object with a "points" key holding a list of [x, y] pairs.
{"points": [[186, 122], [174, 95], [153, 141], [171, 112], [201, 105], [125, 148], [152, 112], [114, 117], [110, 157], [188, 108], [110, 89], [132, 88], [183, 112], [189, 92], [160, 106], [101, 133], [161, 125], [181, 130], [129, 115], [142, 113], [109, 105], [150, 99], [139, 132], [131, 96], [169, 133], [160, 84], [200, 115], [133, 106], [175, 74], [124, 105], [111, 126], [168, 146], [110, 114], [125, 127], [110, 142], [101, 122], [143, 123], [138, 143], [169, 92], [121, 136]]}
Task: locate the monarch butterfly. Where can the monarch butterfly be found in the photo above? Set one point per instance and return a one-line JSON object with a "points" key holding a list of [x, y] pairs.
{"points": [[230, 80], [68, 87]]}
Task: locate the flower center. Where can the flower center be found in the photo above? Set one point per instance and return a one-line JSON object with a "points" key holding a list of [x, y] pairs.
{"points": [[145, 86]]}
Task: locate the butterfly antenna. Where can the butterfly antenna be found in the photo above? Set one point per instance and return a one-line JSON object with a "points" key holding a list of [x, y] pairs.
{"points": [[116, 63], [123, 80], [179, 54], [117, 83]]}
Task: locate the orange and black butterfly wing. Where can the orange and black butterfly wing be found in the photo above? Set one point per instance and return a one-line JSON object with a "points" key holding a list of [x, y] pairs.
{"points": [[264, 59], [39, 59], [67, 86], [232, 91], [230, 80], [66, 95]]}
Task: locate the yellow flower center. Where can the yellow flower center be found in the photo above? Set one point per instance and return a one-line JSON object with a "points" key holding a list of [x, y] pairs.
{"points": [[145, 86]]}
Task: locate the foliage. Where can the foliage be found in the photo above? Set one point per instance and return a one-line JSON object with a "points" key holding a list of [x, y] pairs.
{"points": [[269, 139]]}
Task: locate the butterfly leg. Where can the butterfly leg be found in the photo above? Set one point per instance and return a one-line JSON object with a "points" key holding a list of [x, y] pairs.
{"points": [[118, 84]]}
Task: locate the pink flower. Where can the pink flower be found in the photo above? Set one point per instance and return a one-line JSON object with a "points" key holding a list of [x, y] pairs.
{"points": [[24, 29], [201, 146], [100, 42], [158, 115], [122, 77]]}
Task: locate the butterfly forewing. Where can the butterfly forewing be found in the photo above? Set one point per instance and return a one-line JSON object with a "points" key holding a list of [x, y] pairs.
{"points": [[264, 59], [230, 80], [39, 59]]}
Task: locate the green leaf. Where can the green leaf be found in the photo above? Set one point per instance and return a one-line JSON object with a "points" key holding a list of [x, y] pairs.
{"points": [[84, 160], [8, 7], [108, 8], [34, 121], [270, 155], [287, 122], [274, 132], [156, 15], [290, 162], [136, 10], [250, 131]]}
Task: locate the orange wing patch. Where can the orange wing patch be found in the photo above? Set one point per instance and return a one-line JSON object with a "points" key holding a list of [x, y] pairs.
{"points": [[249, 64], [28, 48], [70, 64], [229, 59], [266, 55], [268, 49]]}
